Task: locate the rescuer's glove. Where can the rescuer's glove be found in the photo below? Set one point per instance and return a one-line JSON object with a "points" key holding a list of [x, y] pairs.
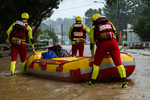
{"points": [[103, 36], [82, 41], [79, 41], [106, 36]]}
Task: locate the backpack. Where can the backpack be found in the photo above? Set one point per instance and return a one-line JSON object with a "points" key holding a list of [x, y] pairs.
{"points": [[102, 25], [20, 30], [59, 51]]}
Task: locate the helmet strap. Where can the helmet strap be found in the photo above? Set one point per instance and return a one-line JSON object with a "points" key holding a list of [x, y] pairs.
{"points": [[78, 21], [24, 19]]}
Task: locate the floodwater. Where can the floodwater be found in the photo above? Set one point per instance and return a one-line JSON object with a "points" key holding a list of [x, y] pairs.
{"points": [[23, 87]]}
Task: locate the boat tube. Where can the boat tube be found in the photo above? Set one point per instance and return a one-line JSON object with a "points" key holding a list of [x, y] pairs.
{"points": [[75, 69]]}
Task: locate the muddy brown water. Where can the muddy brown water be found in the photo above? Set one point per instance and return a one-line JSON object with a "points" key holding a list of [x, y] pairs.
{"points": [[23, 87]]}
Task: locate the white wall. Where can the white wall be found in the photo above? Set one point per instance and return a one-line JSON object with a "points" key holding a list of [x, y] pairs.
{"points": [[131, 36]]}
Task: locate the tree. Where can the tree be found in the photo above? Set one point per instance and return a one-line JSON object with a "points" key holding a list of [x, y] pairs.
{"points": [[67, 22], [111, 2], [51, 34], [88, 16], [44, 26], [128, 11], [142, 24], [38, 10]]}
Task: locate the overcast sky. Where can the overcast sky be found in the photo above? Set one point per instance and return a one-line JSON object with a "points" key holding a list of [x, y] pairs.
{"points": [[70, 8]]}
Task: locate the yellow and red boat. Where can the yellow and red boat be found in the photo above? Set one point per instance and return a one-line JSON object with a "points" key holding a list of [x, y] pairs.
{"points": [[75, 69]]}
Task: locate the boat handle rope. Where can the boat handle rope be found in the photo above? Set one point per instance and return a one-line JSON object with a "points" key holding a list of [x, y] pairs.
{"points": [[61, 63]]}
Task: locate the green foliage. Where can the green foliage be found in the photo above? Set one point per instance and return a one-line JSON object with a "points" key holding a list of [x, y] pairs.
{"points": [[119, 13], [38, 10], [66, 22], [43, 26], [51, 34], [88, 16], [127, 10], [46, 42], [111, 2], [142, 25]]}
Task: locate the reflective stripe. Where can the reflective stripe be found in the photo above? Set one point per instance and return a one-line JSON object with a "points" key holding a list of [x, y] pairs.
{"points": [[78, 33], [108, 65], [87, 70], [58, 74], [21, 23], [104, 27], [110, 34], [84, 71], [77, 25]]}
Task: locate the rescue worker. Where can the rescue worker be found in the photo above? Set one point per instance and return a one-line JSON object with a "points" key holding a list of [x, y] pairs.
{"points": [[20, 32], [103, 33], [77, 35]]}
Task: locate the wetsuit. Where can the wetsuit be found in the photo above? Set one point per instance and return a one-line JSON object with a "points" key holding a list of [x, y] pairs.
{"points": [[18, 42], [103, 47], [76, 34]]}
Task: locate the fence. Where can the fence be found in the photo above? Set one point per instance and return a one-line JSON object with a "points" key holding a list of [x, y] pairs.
{"points": [[137, 45], [5, 50]]}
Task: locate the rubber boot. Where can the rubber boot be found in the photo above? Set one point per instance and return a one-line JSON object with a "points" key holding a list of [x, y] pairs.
{"points": [[125, 84], [95, 73], [12, 67], [23, 67], [91, 82], [122, 73]]}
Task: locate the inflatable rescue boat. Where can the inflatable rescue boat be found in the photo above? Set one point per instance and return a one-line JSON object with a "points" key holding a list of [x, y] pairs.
{"points": [[75, 69]]}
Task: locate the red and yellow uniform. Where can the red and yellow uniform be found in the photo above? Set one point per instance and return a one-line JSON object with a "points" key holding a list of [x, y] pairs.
{"points": [[20, 32], [105, 39], [77, 35]]}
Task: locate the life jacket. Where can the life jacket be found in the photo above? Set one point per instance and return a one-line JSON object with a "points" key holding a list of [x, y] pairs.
{"points": [[102, 26], [78, 31], [20, 30]]}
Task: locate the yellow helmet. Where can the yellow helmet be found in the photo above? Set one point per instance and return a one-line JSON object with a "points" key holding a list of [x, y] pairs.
{"points": [[78, 18], [95, 16], [25, 15]]}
